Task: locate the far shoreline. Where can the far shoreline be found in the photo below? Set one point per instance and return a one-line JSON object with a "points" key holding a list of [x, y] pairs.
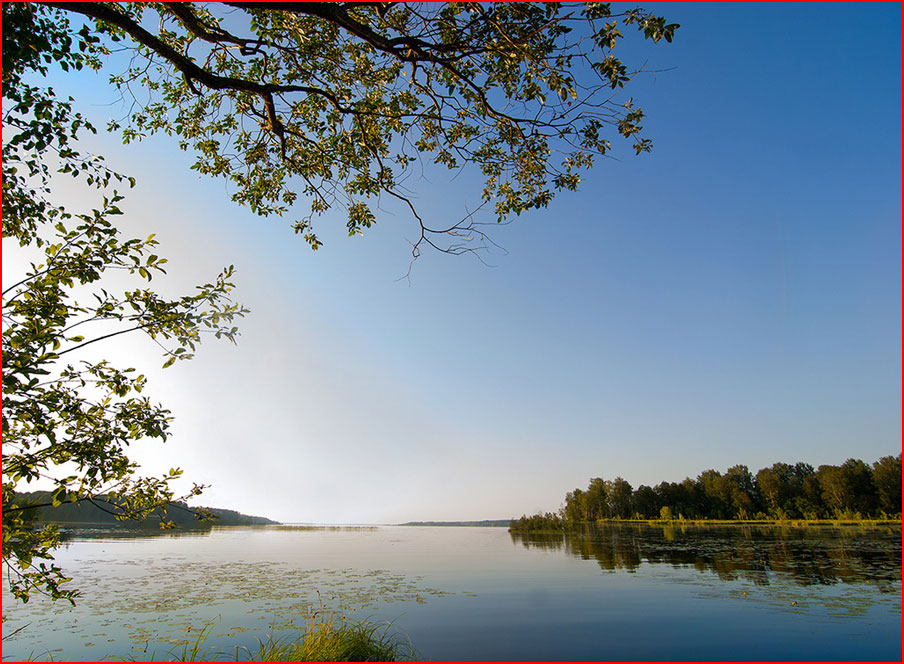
{"points": [[785, 523], [486, 523]]}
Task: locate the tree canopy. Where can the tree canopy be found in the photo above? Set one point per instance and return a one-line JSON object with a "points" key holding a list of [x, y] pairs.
{"points": [[344, 103], [69, 418]]}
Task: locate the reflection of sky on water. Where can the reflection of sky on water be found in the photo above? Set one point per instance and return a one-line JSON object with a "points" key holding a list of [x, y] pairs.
{"points": [[472, 593]]}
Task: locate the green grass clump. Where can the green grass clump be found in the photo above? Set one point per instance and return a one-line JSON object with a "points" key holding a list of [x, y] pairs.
{"points": [[325, 639]]}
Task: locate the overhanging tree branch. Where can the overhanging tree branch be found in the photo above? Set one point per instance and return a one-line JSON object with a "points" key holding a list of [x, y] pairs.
{"points": [[501, 87], [186, 65]]}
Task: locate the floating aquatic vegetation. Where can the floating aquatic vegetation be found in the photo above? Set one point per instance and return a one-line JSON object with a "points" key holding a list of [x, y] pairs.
{"points": [[167, 600]]}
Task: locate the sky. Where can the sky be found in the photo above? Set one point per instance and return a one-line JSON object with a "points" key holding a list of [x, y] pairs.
{"points": [[732, 297]]}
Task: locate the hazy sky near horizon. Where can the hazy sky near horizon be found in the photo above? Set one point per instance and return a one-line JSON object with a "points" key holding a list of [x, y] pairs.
{"points": [[732, 297]]}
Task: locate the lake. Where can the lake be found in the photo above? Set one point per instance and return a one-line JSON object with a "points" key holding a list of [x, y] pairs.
{"points": [[630, 592]]}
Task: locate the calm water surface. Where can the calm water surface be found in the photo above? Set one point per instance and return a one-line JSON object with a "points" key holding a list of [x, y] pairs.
{"points": [[617, 593]]}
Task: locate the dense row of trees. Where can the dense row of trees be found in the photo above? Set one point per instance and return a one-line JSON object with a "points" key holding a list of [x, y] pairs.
{"points": [[853, 489]]}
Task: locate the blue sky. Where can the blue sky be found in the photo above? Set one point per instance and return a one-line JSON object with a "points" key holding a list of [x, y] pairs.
{"points": [[732, 297]]}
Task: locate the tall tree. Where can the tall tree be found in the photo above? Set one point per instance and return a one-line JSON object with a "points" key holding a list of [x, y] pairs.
{"points": [[573, 510], [596, 500], [646, 502], [740, 488], [621, 499], [675, 496], [809, 502], [718, 500], [775, 485], [864, 497], [887, 479], [835, 488], [68, 418]]}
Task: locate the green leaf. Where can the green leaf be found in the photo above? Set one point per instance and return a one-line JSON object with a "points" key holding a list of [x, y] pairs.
{"points": [[58, 496]]}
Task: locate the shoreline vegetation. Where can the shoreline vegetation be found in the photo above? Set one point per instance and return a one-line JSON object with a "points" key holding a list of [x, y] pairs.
{"points": [[520, 525], [798, 495]]}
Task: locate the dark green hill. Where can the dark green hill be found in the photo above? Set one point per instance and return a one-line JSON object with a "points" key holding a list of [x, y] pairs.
{"points": [[87, 513]]}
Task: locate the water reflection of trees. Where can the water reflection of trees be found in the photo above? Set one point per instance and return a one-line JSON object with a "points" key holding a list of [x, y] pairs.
{"points": [[761, 555]]}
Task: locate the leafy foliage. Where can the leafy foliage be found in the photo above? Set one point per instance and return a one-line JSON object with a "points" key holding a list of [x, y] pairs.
{"points": [[344, 102], [852, 490], [70, 419]]}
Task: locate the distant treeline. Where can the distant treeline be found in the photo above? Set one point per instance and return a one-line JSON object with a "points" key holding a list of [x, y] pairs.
{"points": [[85, 512], [852, 490], [486, 523]]}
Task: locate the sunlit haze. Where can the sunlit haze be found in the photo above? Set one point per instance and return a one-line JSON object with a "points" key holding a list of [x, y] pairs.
{"points": [[733, 297]]}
